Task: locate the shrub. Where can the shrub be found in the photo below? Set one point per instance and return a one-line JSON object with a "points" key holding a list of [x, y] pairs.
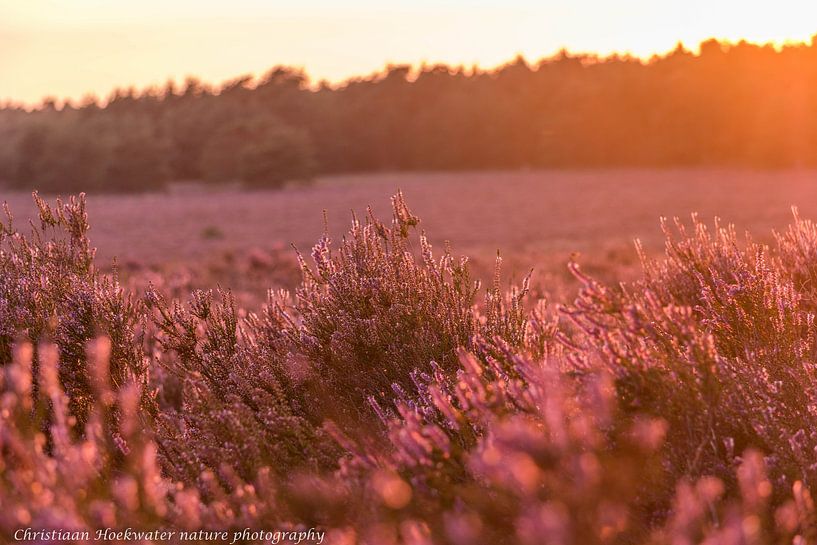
{"points": [[717, 340], [100, 477], [676, 409], [50, 291], [240, 403], [61, 481], [363, 324], [372, 313]]}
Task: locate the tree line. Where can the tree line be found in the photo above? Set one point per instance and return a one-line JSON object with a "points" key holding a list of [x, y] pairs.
{"points": [[731, 104]]}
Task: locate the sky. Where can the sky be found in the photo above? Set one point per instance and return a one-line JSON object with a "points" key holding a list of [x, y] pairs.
{"points": [[71, 48]]}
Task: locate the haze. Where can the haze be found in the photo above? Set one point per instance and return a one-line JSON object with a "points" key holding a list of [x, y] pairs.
{"points": [[67, 49]]}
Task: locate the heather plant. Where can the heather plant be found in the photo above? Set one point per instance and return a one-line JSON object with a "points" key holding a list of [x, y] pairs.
{"points": [[517, 450], [50, 291], [557, 467], [226, 384], [363, 324], [56, 478], [69, 480], [700, 514], [716, 339], [384, 403], [797, 251], [373, 312], [549, 459]]}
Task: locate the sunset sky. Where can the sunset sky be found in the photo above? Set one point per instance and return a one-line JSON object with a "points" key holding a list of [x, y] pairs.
{"points": [[67, 48]]}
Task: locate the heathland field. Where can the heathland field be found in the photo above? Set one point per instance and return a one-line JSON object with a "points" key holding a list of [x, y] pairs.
{"points": [[385, 398], [534, 218]]}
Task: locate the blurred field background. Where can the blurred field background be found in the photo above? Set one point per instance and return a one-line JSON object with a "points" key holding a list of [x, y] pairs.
{"points": [[199, 237]]}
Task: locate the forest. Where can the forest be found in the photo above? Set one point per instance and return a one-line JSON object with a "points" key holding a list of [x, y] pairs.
{"points": [[730, 104]]}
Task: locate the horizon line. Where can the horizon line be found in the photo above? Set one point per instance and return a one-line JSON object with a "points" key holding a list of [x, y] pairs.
{"points": [[415, 68]]}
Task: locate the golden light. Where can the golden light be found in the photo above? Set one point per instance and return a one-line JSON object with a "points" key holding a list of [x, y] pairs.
{"points": [[67, 49]]}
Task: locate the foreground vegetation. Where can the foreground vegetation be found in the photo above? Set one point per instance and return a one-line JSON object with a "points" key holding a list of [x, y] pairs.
{"points": [[731, 105], [390, 399]]}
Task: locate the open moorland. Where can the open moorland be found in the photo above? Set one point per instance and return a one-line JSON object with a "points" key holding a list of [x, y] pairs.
{"points": [[535, 219]]}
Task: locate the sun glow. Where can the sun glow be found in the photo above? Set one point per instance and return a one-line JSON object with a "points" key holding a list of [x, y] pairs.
{"points": [[68, 49]]}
